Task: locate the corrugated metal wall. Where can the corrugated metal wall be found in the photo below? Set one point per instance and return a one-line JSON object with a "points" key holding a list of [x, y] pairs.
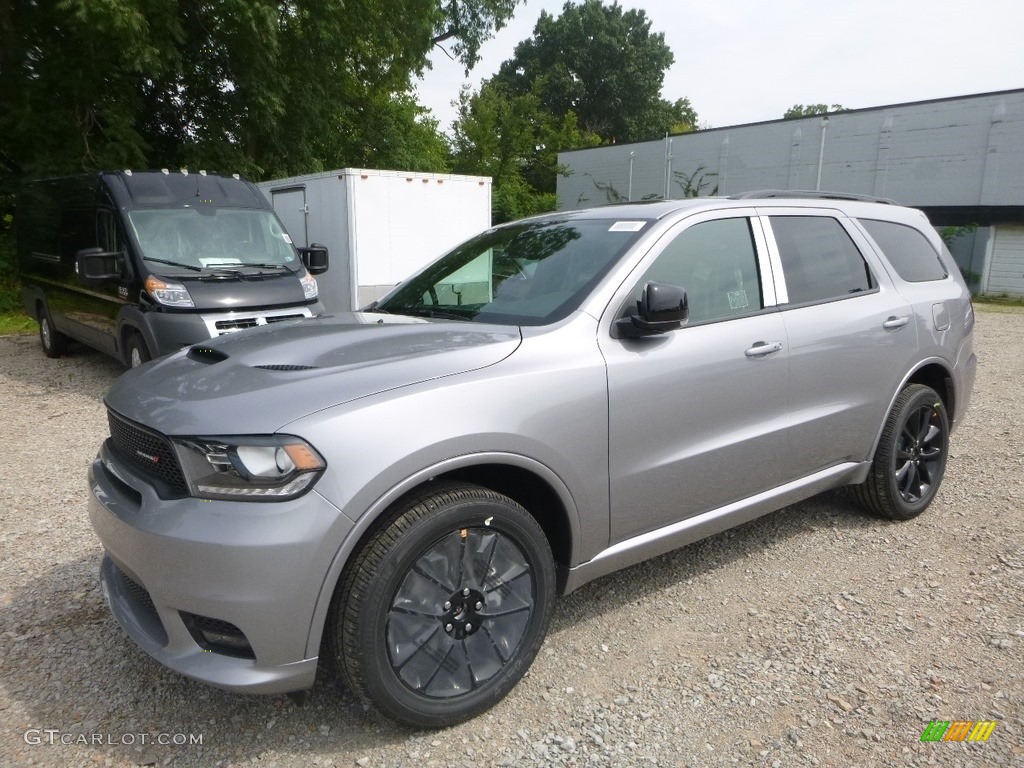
{"points": [[954, 152], [959, 153]]}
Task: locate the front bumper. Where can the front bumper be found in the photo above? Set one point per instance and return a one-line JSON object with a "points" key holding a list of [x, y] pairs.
{"points": [[171, 331], [257, 566]]}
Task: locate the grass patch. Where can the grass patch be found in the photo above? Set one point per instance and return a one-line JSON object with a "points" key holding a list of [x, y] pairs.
{"points": [[16, 323], [999, 305]]}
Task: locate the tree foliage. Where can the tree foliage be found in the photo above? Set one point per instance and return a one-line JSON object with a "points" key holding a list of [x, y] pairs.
{"points": [[602, 63], [810, 110], [263, 87], [590, 76]]}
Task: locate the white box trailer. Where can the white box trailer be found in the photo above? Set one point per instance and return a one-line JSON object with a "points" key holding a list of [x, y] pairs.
{"points": [[379, 226]]}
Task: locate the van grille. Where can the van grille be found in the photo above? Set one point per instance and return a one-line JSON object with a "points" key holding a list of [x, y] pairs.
{"points": [[150, 453], [240, 323]]}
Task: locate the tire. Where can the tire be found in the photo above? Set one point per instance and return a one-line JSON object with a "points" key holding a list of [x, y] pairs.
{"points": [[445, 607], [911, 457], [54, 343], [137, 352]]}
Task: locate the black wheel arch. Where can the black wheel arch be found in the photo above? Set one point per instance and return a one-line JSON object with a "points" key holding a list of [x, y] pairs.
{"points": [[527, 487], [130, 321]]}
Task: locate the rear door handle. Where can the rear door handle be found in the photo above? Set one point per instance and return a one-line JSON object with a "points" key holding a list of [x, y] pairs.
{"points": [[895, 322], [763, 348]]}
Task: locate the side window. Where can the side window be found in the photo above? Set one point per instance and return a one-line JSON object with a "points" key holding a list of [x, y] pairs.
{"points": [[108, 238], [77, 231], [909, 251], [819, 260], [716, 263]]}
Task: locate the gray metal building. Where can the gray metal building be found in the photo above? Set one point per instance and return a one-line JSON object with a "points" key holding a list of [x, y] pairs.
{"points": [[960, 159]]}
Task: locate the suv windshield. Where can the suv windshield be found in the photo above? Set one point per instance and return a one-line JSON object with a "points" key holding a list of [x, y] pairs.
{"points": [[531, 273], [213, 237]]}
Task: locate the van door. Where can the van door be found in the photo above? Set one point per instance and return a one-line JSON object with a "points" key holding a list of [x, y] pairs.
{"points": [[88, 310]]}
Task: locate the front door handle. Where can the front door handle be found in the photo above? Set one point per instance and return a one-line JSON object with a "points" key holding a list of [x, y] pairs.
{"points": [[763, 348], [895, 322]]}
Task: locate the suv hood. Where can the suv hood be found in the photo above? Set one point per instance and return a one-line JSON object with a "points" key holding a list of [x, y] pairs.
{"points": [[256, 381]]}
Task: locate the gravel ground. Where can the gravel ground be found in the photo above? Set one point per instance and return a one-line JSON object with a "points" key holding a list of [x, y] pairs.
{"points": [[814, 636]]}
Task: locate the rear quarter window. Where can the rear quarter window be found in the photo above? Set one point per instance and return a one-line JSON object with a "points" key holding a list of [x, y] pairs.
{"points": [[909, 252]]}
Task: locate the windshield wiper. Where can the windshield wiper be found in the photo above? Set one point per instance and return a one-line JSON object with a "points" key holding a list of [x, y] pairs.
{"points": [[237, 265], [422, 312], [173, 263]]}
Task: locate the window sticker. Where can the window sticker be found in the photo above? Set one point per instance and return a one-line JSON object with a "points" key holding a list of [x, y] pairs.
{"points": [[626, 226], [738, 299], [287, 237]]}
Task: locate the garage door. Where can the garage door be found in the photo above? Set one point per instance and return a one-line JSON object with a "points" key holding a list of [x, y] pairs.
{"points": [[1006, 274]]}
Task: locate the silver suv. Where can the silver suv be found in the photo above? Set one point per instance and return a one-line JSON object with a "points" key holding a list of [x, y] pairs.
{"points": [[405, 489]]}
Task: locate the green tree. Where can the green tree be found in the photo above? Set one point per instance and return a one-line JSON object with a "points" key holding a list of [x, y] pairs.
{"points": [[257, 86], [810, 110], [591, 76], [605, 65], [514, 140]]}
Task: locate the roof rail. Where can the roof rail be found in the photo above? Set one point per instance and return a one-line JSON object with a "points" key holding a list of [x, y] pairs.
{"points": [[801, 194]]}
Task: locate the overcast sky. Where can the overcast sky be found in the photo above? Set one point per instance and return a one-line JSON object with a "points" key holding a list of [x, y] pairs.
{"points": [[743, 61]]}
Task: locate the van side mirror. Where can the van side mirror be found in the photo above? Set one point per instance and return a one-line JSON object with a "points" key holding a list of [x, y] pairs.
{"points": [[97, 264], [314, 258], [662, 308]]}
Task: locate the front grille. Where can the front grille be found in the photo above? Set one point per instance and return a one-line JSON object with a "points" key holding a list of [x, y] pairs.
{"points": [[150, 453], [282, 318], [237, 324], [240, 323]]}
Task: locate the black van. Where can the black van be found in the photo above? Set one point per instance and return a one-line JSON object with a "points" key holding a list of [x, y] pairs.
{"points": [[140, 264]]}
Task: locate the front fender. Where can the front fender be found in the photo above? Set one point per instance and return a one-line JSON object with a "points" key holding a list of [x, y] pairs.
{"points": [[380, 506]]}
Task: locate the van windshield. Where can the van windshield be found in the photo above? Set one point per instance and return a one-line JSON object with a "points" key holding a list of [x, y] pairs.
{"points": [[213, 238]]}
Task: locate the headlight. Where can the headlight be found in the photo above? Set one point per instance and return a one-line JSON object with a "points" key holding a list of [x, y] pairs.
{"points": [[309, 287], [168, 293], [256, 468]]}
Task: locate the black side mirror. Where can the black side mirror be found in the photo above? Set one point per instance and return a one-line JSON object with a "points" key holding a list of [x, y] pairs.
{"points": [[314, 258], [662, 308], [97, 264]]}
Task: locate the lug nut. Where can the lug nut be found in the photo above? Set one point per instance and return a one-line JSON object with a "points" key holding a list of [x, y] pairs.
{"points": [[469, 627], [465, 592], [479, 606], [447, 627], [447, 605]]}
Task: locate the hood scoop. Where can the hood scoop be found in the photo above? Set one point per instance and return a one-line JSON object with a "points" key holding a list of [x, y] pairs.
{"points": [[206, 355], [283, 367]]}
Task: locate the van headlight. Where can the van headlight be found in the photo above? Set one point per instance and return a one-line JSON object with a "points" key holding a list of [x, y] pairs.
{"points": [[309, 287], [168, 293], [249, 468]]}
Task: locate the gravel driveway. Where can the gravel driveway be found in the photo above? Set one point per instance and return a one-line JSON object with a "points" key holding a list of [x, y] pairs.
{"points": [[814, 636]]}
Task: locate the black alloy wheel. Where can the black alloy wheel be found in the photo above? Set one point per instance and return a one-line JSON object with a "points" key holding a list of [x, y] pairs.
{"points": [[444, 609], [911, 457]]}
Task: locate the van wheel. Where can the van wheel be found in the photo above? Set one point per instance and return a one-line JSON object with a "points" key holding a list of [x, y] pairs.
{"points": [[54, 343], [444, 608], [911, 457], [137, 352]]}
